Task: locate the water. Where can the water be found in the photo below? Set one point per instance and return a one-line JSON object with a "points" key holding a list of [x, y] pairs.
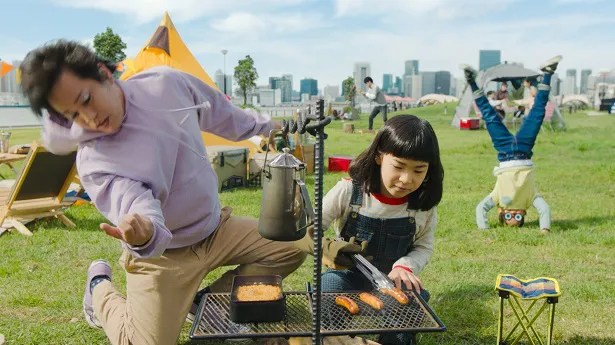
{"points": [[18, 116]]}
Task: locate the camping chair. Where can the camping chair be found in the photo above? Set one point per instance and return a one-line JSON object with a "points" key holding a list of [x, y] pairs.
{"points": [[546, 289], [39, 189]]}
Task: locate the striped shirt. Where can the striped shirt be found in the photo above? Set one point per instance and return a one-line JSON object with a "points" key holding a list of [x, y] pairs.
{"points": [[336, 208]]}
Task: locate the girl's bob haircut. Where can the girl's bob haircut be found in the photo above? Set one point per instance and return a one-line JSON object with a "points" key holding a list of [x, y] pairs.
{"points": [[408, 137]]}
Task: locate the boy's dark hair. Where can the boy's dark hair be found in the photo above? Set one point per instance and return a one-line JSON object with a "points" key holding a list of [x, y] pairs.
{"points": [[489, 93], [409, 137], [368, 79], [42, 67]]}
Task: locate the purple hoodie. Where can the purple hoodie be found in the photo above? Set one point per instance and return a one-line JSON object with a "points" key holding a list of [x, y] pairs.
{"points": [[156, 164]]}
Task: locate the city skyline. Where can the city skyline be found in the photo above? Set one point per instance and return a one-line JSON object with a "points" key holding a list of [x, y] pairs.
{"points": [[324, 39]]}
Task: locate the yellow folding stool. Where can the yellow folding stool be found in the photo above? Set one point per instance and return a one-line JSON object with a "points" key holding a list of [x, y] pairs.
{"points": [[534, 289]]}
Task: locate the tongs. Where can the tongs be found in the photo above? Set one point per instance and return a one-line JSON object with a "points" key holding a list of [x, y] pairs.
{"points": [[375, 276]]}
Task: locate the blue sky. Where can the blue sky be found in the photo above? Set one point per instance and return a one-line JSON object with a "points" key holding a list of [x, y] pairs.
{"points": [[323, 38]]}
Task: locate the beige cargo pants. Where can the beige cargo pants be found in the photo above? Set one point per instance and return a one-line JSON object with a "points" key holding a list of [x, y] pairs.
{"points": [[160, 291]]}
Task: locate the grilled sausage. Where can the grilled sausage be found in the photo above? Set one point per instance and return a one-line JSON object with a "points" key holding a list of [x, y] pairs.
{"points": [[396, 293], [371, 300], [347, 303]]}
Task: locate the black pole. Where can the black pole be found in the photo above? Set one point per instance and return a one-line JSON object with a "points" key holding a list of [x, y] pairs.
{"points": [[318, 188], [225, 74]]}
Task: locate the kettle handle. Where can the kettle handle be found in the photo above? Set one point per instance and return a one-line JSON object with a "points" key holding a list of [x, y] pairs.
{"points": [[269, 141], [306, 200]]}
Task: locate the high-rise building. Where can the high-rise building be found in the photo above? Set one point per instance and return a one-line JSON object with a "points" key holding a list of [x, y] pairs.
{"points": [[269, 97], [408, 85], [284, 85], [219, 80], [443, 82], [489, 58], [411, 67], [428, 83], [417, 87], [585, 73], [309, 86], [331, 92], [399, 85], [8, 83], [568, 86], [361, 70], [289, 77], [387, 82], [273, 82], [571, 81]]}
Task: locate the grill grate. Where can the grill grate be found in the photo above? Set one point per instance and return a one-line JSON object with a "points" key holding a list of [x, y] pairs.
{"points": [[394, 317], [213, 318]]}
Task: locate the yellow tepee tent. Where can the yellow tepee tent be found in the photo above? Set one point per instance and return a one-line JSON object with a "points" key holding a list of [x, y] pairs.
{"points": [[165, 47]]}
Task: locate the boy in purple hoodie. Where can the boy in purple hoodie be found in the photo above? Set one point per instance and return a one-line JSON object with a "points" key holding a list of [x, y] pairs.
{"points": [[141, 159]]}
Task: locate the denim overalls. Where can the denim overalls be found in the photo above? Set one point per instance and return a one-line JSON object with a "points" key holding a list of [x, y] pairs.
{"points": [[389, 240], [518, 146]]}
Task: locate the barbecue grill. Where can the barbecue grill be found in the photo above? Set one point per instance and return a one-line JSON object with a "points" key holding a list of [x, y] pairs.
{"points": [[313, 312]]}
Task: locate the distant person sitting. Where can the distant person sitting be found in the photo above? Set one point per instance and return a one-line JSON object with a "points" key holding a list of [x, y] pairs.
{"points": [[496, 104], [527, 88], [374, 94], [520, 112], [502, 94]]}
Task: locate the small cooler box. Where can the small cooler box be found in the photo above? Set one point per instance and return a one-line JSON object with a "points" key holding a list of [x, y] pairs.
{"points": [[339, 163], [469, 123], [230, 164]]}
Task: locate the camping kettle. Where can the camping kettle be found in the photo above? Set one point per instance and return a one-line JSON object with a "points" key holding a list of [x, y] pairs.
{"points": [[286, 210]]}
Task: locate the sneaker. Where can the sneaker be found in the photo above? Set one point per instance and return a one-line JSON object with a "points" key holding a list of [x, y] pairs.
{"points": [[545, 231], [550, 65], [469, 72], [97, 268]]}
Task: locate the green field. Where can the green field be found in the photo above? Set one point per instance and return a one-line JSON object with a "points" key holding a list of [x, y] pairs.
{"points": [[42, 277]]}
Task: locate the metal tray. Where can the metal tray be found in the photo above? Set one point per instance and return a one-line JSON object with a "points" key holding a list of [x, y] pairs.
{"points": [[256, 311]]}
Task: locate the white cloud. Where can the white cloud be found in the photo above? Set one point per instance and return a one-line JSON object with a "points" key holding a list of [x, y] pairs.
{"points": [[569, 2], [441, 34], [280, 23], [444, 9], [88, 42], [240, 23], [441, 46], [143, 11]]}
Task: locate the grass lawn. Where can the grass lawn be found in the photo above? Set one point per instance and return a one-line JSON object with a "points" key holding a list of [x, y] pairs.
{"points": [[42, 277]]}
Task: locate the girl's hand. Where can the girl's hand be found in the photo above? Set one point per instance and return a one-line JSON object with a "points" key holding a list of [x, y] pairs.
{"points": [[133, 229], [412, 282]]}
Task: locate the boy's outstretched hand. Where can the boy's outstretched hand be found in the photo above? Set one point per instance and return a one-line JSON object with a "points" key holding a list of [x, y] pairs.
{"points": [[400, 275], [133, 229]]}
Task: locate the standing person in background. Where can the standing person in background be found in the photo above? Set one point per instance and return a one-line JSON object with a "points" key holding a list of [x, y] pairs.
{"points": [[374, 94]]}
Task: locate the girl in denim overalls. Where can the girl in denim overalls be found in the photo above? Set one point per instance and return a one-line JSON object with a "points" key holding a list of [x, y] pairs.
{"points": [[389, 204]]}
